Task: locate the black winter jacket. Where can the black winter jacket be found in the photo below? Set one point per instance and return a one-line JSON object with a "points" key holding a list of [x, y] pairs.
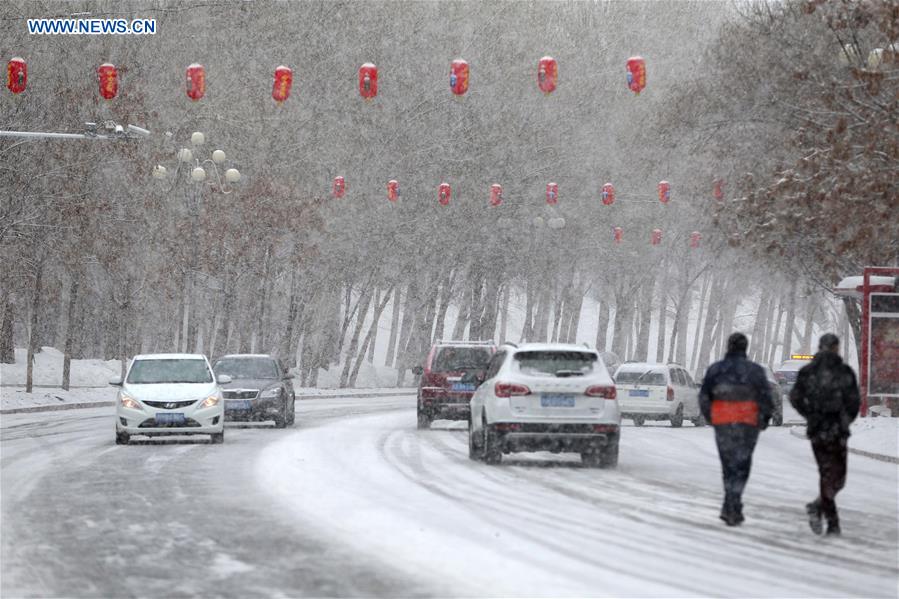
{"points": [[826, 395], [736, 378]]}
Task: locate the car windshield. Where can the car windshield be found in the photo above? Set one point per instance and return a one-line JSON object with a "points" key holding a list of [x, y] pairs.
{"points": [[555, 363], [642, 377], [175, 370], [247, 368], [455, 359]]}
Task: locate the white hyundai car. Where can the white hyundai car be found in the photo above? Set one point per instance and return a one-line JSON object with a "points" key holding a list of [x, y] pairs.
{"points": [[545, 397], [170, 394], [648, 391]]}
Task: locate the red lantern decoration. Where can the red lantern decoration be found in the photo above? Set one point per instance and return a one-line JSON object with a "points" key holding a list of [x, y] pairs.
{"points": [[368, 81], [109, 80], [17, 75], [618, 232], [496, 194], [664, 191], [282, 84], [339, 187], [459, 77], [636, 74], [608, 194], [719, 189], [393, 190], [547, 74], [196, 81], [656, 237], [444, 193], [694, 239], [552, 194]]}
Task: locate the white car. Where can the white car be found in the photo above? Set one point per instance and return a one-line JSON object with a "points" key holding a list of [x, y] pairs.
{"points": [[170, 394], [649, 391], [545, 397]]}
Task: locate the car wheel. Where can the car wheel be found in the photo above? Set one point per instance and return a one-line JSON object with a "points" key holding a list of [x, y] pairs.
{"points": [[281, 419], [698, 421], [292, 416], [590, 459], [677, 420], [217, 438], [608, 458], [639, 420], [122, 438], [493, 453], [424, 421], [778, 419], [474, 452]]}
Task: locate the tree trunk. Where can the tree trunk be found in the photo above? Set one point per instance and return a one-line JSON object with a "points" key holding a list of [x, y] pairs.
{"points": [[602, 326], [811, 309], [390, 358], [756, 342], [32, 332], [362, 311], [371, 335], [71, 329], [702, 311], [504, 314], [776, 333], [292, 309], [373, 332], [464, 313], [713, 315], [7, 342]]}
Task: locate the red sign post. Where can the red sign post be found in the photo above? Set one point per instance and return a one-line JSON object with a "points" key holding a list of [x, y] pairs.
{"points": [[879, 359]]}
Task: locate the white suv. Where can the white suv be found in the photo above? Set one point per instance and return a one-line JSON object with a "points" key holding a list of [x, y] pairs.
{"points": [[170, 394], [657, 392], [545, 397]]}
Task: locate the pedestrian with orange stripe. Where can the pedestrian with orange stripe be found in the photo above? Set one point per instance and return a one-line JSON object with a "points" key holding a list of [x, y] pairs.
{"points": [[736, 399]]}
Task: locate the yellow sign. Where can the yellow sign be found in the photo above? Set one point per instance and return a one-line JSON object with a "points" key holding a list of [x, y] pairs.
{"points": [[801, 357]]}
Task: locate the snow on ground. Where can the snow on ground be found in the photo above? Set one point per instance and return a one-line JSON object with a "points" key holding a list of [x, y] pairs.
{"points": [[48, 370], [15, 397], [370, 376], [414, 500], [876, 435]]}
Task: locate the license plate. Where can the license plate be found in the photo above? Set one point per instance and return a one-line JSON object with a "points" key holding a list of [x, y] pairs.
{"points": [[556, 401], [238, 405], [638, 393], [465, 387], [169, 418]]}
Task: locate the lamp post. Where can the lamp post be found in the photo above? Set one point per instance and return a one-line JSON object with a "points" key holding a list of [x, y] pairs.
{"points": [[197, 166]]}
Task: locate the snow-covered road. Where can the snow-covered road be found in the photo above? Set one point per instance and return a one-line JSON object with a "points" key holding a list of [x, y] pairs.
{"points": [[356, 501]]}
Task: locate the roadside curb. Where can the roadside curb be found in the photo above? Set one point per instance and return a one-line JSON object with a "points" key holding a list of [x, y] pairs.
{"points": [[799, 433], [101, 404]]}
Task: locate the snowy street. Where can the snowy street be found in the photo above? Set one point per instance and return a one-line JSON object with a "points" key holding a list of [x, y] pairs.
{"points": [[356, 501]]}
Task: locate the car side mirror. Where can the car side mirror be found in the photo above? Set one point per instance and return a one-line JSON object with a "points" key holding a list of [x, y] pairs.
{"points": [[224, 379], [417, 370], [116, 382]]}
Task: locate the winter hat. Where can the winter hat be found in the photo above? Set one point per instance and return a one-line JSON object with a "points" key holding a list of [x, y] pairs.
{"points": [[828, 342], [737, 343]]}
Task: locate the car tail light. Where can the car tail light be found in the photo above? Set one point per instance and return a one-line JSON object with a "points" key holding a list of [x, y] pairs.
{"points": [[506, 427], [510, 389], [605, 428], [670, 393], [607, 392]]}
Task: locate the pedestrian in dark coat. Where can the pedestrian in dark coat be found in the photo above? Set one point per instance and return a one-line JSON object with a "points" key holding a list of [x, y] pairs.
{"points": [[736, 399], [826, 395]]}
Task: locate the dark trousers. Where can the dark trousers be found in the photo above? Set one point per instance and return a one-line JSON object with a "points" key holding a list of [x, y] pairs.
{"points": [[831, 457], [736, 442]]}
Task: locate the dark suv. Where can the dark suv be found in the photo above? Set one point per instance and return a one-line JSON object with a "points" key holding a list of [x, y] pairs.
{"points": [[260, 389], [441, 392]]}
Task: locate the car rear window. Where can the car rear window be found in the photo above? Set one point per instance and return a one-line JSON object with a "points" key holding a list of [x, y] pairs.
{"points": [[642, 377], [455, 359], [247, 368], [555, 363], [149, 372]]}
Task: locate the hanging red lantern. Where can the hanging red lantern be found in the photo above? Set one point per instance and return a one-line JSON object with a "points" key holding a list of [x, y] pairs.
{"points": [[719, 189], [618, 232], [196, 81], [608, 194], [444, 193], [496, 194], [547, 74], [109, 80], [17, 75], [283, 82], [664, 191], [552, 194], [694, 239], [368, 81], [459, 77], [656, 237], [339, 187], [393, 190], [636, 74]]}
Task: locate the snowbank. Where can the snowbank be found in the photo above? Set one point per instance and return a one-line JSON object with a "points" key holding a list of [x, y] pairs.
{"points": [[876, 435], [48, 370], [370, 377], [15, 397]]}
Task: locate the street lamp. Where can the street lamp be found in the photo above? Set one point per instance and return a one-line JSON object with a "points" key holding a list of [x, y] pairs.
{"points": [[188, 157]]}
